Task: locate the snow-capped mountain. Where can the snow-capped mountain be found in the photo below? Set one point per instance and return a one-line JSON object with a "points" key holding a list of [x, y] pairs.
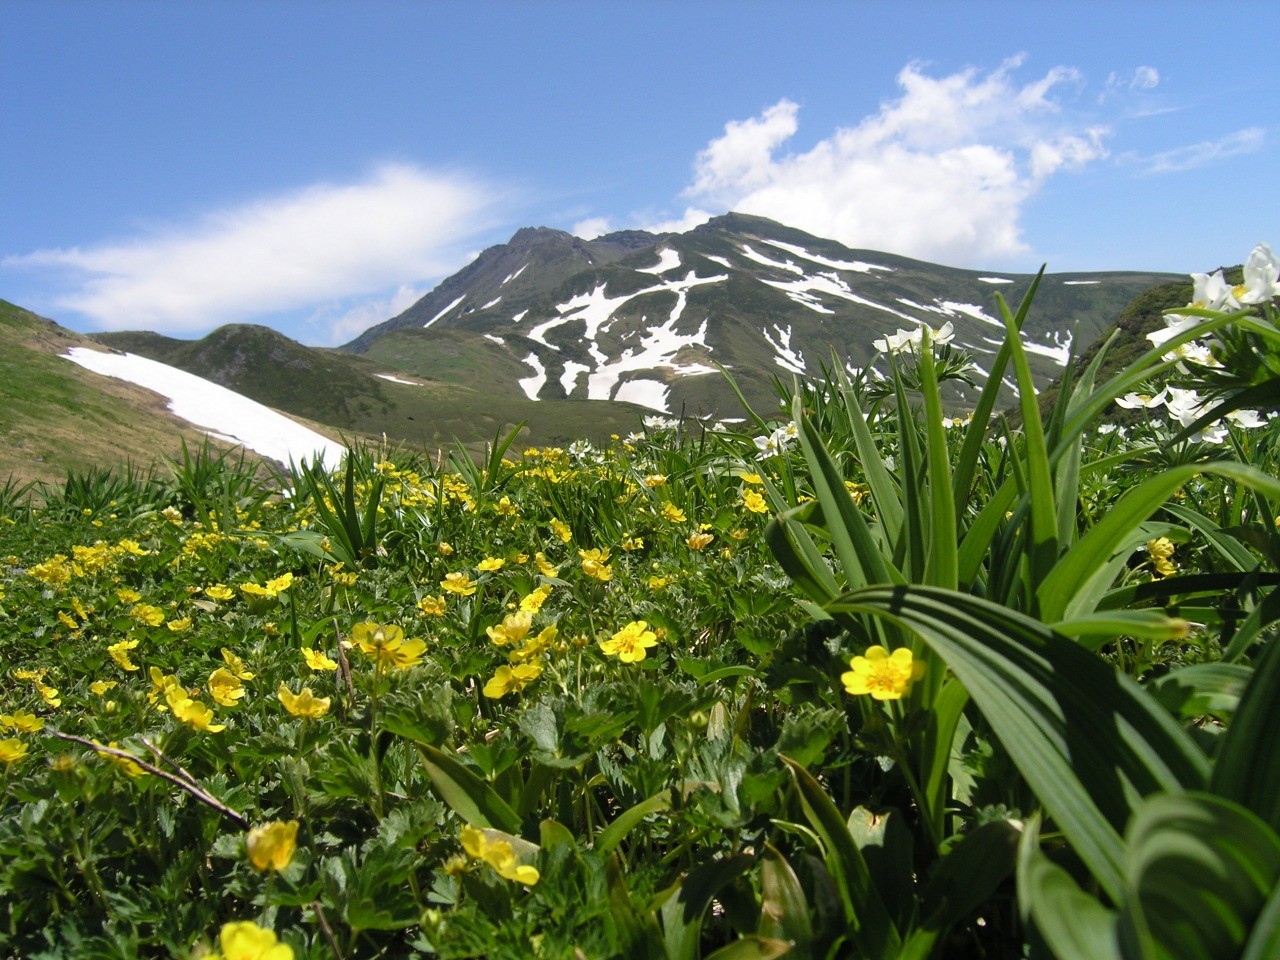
{"points": [[651, 319]]}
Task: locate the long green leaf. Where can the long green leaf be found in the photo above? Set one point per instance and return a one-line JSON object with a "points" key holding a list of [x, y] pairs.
{"points": [[469, 796], [1200, 869], [940, 569], [608, 839], [1044, 517], [1086, 738], [1072, 587], [1072, 924], [1248, 766], [871, 929], [884, 489]]}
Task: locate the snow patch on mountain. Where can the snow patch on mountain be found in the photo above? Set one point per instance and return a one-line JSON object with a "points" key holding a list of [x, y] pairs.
{"points": [[387, 376], [761, 259], [222, 413], [512, 276], [785, 357], [668, 259], [444, 311], [995, 280], [532, 385], [856, 265], [1080, 283]]}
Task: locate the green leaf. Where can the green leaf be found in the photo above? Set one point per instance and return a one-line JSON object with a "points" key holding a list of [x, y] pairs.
{"points": [[1248, 765], [608, 839], [1200, 869], [870, 926], [784, 909], [1086, 737], [1072, 924], [752, 948], [1193, 691], [941, 567], [689, 898], [469, 796], [962, 882]]}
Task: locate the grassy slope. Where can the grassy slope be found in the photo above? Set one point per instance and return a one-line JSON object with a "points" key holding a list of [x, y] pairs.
{"points": [[55, 415]]}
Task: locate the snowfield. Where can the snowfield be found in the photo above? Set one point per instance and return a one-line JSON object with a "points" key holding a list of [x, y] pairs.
{"points": [[220, 412]]}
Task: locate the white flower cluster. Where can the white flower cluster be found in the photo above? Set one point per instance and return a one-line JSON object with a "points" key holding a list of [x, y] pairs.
{"points": [[782, 439], [1211, 292], [911, 340]]}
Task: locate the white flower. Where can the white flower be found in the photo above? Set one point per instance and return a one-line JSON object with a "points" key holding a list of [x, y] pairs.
{"points": [[780, 440], [659, 423], [1142, 401], [1185, 405], [1175, 323], [1261, 277], [1212, 292], [899, 342], [1105, 428], [1249, 419]]}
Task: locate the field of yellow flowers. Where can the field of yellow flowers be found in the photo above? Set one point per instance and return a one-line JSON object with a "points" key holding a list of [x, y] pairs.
{"points": [[854, 679]]}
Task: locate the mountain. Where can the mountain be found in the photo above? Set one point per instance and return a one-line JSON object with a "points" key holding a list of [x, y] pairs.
{"points": [[650, 318], [56, 416]]}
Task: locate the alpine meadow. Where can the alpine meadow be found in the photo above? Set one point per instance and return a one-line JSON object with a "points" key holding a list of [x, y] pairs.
{"points": [[897, 657]]}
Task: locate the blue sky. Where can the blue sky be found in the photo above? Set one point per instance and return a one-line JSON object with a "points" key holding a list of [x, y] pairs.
{"points": [[318, 166]]}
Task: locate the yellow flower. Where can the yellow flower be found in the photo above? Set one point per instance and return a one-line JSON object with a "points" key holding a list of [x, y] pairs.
{"points": [[245, 940], [444, 548], [1161, 553], [101, 687], [633, 543], [48, 694], [561, 530], [120, 654], [22, 722], [511, 679], [696, 541], [656, 583], [513, 628], [535, 599], [225, 687], [280, 584], [128, 595], [544, 566], [534, 646], [857, 491], [595, 564], [271, 845], [12, 751], [883, 675], [305, 704], [671, 513], [489, 564], [236, 665], [316, 660], [180, 625], [654, 480], [431, 606], [146, 614], [630, 643], [458, 583], [752, 478], [498, 854], [67, 620], [192, 712], [753, 501], [219, 591]]}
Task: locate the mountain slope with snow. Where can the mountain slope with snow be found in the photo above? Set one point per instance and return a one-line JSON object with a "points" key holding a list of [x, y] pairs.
{"points": [[652, 319]]}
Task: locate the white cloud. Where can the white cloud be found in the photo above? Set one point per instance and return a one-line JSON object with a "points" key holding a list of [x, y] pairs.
{"points": [[692, 217], [940, 173], [590, 228], [324, 242], [342, 324], [1200, 154]]}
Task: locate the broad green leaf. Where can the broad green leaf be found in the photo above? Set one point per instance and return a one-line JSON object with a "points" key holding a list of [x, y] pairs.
{"points": [[784, 909], [612, 835], [1070, 589], [1200, 869], [870, 926], [469, 796], [752, 948], [1088, 740], [1193, 691], [964, 880], [940, 570], [1248, 765], [1072, 924], [688, 899]]}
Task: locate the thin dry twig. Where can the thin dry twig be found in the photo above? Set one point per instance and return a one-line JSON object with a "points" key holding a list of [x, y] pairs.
{"points": [[189, 784]]}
